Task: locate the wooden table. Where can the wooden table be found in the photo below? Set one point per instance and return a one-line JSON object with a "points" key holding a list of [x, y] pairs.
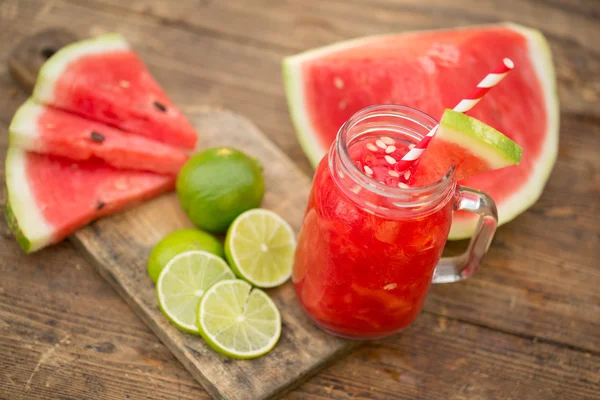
{"points": [[526, 327]]}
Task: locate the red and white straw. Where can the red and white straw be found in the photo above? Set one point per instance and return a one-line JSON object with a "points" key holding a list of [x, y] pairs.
{"points": [[491, 80]]}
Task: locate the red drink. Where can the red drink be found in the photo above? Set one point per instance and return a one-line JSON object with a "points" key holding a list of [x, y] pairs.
{"points": [[368, 248]]}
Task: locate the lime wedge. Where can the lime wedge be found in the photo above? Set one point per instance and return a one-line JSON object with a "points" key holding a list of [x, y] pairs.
{"points": [[183, 282], [468, 145], [239, 321], [260, 248]]}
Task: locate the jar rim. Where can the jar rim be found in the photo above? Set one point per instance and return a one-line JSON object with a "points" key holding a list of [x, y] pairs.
{"points": [[364, 181]]}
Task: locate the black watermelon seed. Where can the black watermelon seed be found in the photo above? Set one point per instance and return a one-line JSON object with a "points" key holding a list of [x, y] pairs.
{"points": [[160, 106], [100, 206], [97, 137]]}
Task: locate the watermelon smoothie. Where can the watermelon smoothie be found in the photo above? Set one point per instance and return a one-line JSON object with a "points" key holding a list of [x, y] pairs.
{"points": [[369, 245]]}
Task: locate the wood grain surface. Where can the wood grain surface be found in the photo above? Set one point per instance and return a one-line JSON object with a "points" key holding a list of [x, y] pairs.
{"points": [[527, 326]]}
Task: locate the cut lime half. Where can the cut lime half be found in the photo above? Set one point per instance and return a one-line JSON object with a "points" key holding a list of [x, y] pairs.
{"points": [[239, 321], [178, 242], [183, 282], [260, 248]]}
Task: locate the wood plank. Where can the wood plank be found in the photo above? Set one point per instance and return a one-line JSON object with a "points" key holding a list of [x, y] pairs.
{"points": [[436, 358], [65, 334], [526, 286], [559, 18], [90, 345]]}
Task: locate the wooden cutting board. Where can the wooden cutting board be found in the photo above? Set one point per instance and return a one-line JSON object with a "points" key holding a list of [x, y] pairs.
{"points": [[119, 246]]}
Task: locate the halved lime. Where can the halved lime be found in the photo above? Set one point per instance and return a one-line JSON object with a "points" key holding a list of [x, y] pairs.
{"points": [[260, 248], [238, 321], [178, 242], [183, 282]]}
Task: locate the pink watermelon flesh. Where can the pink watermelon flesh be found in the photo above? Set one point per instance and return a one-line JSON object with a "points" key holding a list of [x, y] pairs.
{"points": [[402, 77], [116, 88], [68, 194], [64, 134], [431, 71], [427, 171]]}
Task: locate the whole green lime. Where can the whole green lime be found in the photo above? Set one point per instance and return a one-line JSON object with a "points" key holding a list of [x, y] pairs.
{"points": [[217, 185], [178, 242]]}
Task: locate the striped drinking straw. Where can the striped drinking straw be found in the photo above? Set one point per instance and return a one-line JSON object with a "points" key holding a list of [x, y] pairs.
{"points": [[491, 80]]}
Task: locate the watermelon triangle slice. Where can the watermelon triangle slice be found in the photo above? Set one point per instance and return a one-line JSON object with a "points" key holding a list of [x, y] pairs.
{"points": [[104, 80], [432, 71], [49, 197], [48, 130]]}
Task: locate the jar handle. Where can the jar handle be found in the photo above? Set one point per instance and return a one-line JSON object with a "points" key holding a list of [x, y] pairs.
{"points": [[453, 269]]}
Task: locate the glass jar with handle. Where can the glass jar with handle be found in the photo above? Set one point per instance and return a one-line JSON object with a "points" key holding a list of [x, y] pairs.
{"points": [[369, 251]]}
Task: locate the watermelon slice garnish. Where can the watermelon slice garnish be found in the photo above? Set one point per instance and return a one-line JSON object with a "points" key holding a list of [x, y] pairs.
{"points": [[468, 145], [432, 71], [104, 80], [48, 130], [49, 197]]}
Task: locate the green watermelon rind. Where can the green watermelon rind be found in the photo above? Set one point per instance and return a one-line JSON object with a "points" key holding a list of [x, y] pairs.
{"points": [[493, 147], [11, 220], [55, 66], [518, 202], [21, 211]]}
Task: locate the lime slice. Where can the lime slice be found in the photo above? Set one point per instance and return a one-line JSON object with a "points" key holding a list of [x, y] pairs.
{"points": [[183, 282], [239, 321], [260, 248]]}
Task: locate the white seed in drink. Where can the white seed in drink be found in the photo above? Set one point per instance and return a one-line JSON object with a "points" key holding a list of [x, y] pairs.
{"points": [[390, 149], [380, 144], [371, 146], [393, 173], [391, 160], [387, 140]]}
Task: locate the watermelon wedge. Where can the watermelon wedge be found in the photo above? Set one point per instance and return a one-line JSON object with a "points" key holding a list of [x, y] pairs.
{"points": [[48, 130], [432, 71], [49, 197], [466, 144], [104, 80]]}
